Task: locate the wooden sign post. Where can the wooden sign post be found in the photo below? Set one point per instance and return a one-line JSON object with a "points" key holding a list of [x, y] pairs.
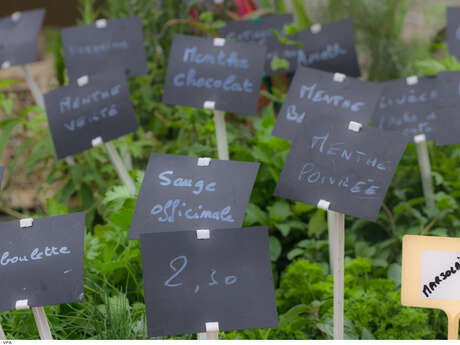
{"points": [[425, 169], [431, 276], [221, 134]]}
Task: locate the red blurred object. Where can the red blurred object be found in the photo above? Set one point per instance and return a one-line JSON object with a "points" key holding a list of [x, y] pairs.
{"points": [[245, 6]]}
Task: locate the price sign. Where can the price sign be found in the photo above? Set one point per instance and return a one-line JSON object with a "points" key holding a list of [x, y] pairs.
{"points": [[224, 73], [116, 43], [315, 93], [19, 37], [351, 169], [431, 275], [42, 264], [78, 115], [226, 278], [180, 194]]}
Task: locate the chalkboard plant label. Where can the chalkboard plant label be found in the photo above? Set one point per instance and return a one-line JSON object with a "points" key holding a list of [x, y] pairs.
{"points": [[448, 102], [260, 31], [107, 44], [178, 193], [315, 93], [19, 37], [226, 278], [79, 114], [331, 49], [349, 169], [42, 264], [431, 275], [204, 70], [410, 108], [453, 31]]}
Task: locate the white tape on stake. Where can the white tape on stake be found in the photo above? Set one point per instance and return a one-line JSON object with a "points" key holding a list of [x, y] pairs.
{"points": [[425, 169], [212, 332]]}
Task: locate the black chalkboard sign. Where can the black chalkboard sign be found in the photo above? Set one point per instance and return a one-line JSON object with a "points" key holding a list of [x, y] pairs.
{"points": [[350, 170], [331, 49], [79, 114], [453, 31], [226, 279], [19, 37], [259, 30], [202, 70], [448, 103], [118, 44], [42, 264], [315, 93], [409, 108], [179, 194]]}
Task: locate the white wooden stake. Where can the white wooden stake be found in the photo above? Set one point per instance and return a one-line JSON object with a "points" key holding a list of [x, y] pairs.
{"points": [[221, 134], [42, 323], [121, 169], [336, 224], [425, 169], [2, 334]]}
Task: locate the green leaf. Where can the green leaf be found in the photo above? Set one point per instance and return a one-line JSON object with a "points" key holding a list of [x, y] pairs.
{"points": [[275, 248], [255, 216], [364, 249], [283, 228], [279, 64], [280, 210], [317, 224], [54, 208]]}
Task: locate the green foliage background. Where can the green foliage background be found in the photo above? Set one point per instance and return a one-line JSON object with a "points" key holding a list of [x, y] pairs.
{"points": [[114, 306]]}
